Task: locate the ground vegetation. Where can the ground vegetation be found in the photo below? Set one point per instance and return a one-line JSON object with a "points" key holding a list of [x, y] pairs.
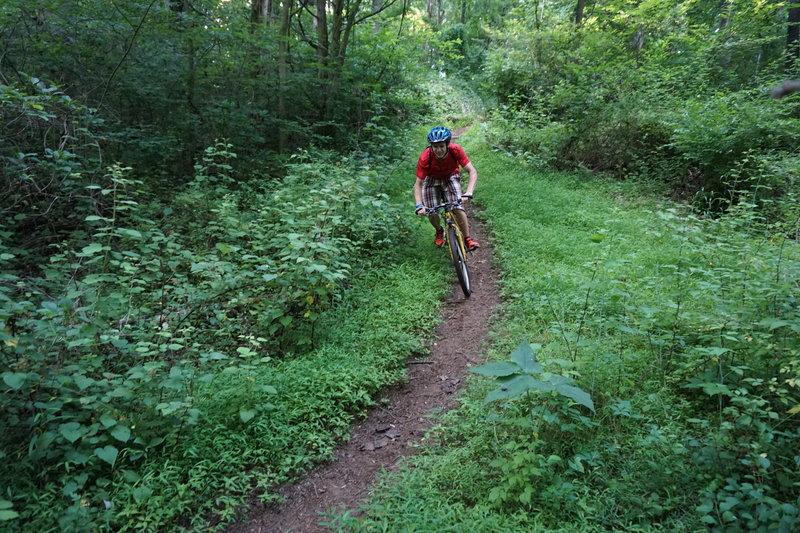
{"points": [[208, 267]]}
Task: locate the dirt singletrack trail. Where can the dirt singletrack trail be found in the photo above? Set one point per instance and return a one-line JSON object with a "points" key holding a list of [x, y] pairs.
{"points": [[386, 436]]}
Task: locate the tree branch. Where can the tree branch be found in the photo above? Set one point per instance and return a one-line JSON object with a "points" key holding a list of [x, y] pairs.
{"points": [[386, 5], [125, 55]]}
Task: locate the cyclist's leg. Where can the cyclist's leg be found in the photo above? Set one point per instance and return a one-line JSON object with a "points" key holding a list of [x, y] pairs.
{"points": [[453, 194], [432, 195], [461, 220]]}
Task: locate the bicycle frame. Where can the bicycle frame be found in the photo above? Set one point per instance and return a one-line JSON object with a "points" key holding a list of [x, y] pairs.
{"points": [[458, 253], [450, 222]]}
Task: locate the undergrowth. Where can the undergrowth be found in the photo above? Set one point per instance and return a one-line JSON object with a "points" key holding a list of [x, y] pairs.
{"points": [[169, 359], [682, 330]]}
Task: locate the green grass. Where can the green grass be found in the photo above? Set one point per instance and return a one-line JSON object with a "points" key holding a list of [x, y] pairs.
{"points": [[311, 399], [266, 422], [625, 297], [318, 395]]}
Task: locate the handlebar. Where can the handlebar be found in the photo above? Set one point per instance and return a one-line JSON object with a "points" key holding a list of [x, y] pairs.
{"points": [[447, 206]]}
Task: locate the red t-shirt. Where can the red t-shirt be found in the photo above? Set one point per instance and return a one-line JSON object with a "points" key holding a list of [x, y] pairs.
{"points": [[429, 165]]}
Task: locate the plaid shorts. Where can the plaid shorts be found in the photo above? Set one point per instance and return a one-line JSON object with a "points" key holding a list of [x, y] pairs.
{"points": [[440, 190]]}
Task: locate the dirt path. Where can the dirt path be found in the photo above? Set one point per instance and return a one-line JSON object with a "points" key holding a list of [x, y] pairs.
{"points": [[384, 438]]}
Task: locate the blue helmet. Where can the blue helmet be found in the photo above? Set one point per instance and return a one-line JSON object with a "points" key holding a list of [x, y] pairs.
{"points": [[439, 134]]}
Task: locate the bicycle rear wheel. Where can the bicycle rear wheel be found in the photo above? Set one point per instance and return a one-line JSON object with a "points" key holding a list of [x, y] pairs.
{"points": [[459, 260]]}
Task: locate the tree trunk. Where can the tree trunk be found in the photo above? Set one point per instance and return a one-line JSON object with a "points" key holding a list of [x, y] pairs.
{"points": [[283, 73], [191, 139], [724, 14], [323, 46], [376, 27], [262, 12], [579, 7], [793, 38], [435, 13]]}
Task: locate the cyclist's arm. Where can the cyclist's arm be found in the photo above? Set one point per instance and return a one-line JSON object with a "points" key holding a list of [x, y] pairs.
{"points": [[473, 179], [418, 196]]}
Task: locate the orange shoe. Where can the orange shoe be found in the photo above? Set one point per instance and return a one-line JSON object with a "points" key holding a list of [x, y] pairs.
{"points": [[472, 244], [439, 239]]}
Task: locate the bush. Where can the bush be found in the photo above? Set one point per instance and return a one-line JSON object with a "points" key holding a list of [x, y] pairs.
{"points": [[105, 347]]}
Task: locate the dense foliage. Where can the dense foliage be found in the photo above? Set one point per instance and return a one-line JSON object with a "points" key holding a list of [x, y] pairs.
{"points": [[672, 91], [201, 213], [177, 226], [661, 391]]}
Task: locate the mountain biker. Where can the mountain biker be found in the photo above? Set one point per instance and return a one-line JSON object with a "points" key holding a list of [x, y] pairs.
{"points": [[439, 181]]}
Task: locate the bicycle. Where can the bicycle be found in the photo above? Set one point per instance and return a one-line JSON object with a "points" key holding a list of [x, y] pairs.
{"points": [[454, 240]]}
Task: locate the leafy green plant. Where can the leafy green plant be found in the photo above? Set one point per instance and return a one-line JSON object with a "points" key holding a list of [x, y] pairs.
{"points": [[524, 467], [516, 378]]}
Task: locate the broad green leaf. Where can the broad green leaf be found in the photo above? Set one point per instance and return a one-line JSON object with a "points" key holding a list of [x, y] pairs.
{"points": [[77, 457], [82, 381], [626, 329], [496, 369], [5, 504], [44, 440], [141, 493], [71, 431], [80, 342], [714, 351], [557, 380], [245, 351], [92, 248], [705, 508], [121, 432], [773, 323], [224, 248], [516, 387], [107, 454], [131, 233], [131, 476], [6, 515], [525, 357], [15, 380], [108, 421], [716, 388], [577, 465], [121, 392], [247, 414], [578, 395]]}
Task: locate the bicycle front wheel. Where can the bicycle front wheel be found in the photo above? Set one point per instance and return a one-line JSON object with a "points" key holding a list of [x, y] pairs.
{"points": [[457, 252]]}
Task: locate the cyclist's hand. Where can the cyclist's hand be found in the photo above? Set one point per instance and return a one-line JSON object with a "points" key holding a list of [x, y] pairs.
{"points": [[422, 211], [465, 199]]}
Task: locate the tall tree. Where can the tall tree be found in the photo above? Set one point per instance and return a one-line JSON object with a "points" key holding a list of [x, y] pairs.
{"points": [[793, 38], [262, 11], [579, 7], [283, 72], [334, 22]]}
